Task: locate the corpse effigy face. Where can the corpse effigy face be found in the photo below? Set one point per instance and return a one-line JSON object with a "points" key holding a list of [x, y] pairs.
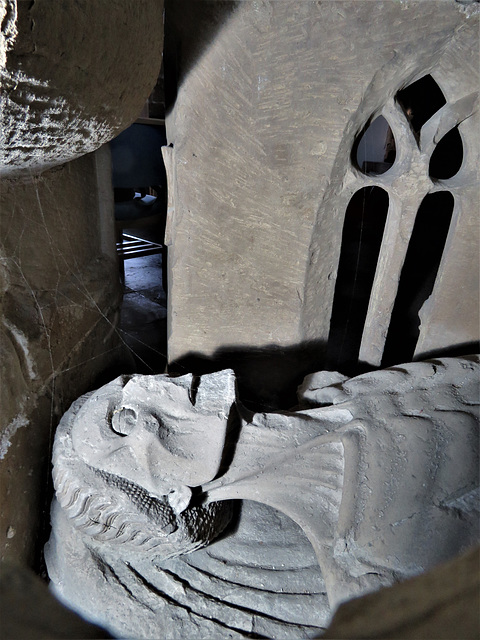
{"points": [[380, 471], [127, 456]]}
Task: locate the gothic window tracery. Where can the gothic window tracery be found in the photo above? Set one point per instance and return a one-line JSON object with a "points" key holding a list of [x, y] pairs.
{"points": [[412, 152]]}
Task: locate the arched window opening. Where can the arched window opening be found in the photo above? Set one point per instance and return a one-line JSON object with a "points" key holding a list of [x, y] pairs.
{"points": [[363, 228], [420, 101], [419, 272], [447, 156], [374, 152]]}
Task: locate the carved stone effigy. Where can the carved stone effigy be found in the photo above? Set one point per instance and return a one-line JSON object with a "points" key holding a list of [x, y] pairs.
{"points": [[379, 471]]}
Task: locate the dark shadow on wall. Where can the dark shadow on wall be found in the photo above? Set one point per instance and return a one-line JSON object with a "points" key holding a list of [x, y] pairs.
{"points": [[455, 351], [267, 376], [190, 27]]}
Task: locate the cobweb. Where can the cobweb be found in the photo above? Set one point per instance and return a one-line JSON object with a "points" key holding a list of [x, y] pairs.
{"points": [[67, 299]]}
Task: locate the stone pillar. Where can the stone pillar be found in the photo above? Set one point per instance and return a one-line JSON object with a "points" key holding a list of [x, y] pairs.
{"points": [[72, 76], [59, 306]]}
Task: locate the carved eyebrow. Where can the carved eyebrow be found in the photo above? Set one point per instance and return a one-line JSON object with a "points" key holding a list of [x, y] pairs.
{"points": [[173, 414]]}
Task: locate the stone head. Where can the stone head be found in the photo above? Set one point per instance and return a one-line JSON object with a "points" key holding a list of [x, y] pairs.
{"points": [[143, 443]]}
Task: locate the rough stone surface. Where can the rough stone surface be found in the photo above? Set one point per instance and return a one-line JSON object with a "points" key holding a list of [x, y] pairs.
{"points": [[442, 603], [381, 474], [271, 98], [60, 295], [72, 75], [8, 32]]}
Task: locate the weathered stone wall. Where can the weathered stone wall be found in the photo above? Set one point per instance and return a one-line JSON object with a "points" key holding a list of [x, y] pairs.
{"points": [[271, 97], [72, 75], [60, 296]]}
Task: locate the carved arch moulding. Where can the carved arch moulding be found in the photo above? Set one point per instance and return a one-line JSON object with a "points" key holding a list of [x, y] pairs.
{"points": [[427, 240]]}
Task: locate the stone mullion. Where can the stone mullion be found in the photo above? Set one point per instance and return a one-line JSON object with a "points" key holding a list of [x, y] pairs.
{"points": [[400, 221], [407, 184]]}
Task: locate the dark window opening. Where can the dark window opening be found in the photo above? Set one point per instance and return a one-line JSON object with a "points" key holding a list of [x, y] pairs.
{"points": [[418, 275], [374, 152], [140, 194], [420, 101], [362, 235], [447, 156]]}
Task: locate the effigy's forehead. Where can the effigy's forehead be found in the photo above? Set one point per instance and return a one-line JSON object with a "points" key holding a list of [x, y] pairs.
{"points": [[158, 395], [210, 393]]}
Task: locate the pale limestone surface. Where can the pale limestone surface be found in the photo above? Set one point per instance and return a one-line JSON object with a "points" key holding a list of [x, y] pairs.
{"points": [[271, 98], [379, 471]]}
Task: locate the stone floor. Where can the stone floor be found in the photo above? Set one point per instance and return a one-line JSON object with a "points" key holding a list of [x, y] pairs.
{"points": [[143, 320]]}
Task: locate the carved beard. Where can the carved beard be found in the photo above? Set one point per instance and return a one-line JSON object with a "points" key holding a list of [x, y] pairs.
{"points": [[112, 510]]}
